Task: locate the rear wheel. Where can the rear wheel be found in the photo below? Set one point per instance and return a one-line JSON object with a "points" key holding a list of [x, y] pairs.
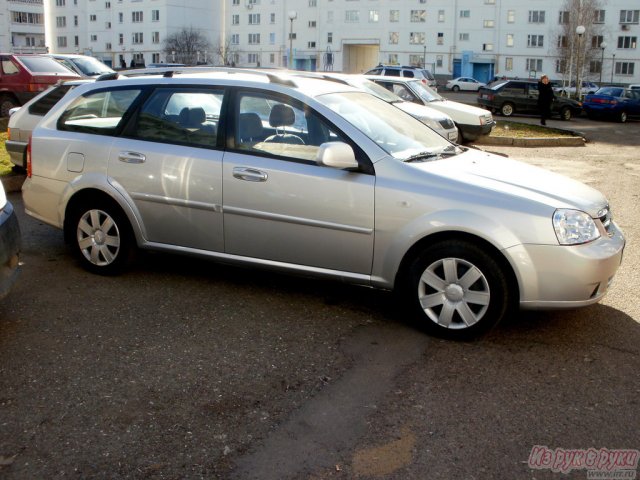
{"points": [[565, 113], [7, 102], [457, 290], [100, 236], [622, 117], [507, 109], [455, 88]]}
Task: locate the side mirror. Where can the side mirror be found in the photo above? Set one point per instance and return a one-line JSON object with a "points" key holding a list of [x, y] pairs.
{"points": [[336, 155]]}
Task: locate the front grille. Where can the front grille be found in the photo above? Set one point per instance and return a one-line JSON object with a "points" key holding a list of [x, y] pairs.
{"points": [[447, 123], [488, 118], [606, 218]]}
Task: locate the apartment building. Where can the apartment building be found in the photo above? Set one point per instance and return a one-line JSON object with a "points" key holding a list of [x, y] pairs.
{"points": [[22, 26], [479, 38], [120, 32]]}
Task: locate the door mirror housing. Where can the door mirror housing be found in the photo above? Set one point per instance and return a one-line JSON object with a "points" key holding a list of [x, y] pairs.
{"points": [[337, 155]]}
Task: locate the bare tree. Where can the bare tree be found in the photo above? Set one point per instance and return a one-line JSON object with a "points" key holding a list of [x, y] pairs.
{"points": [[576, 51], [226, 52], [186, 46]]}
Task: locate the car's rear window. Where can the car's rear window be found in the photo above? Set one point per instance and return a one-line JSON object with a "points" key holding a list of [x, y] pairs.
{"points": [[44, 104], [43, 65], [614, 92]]}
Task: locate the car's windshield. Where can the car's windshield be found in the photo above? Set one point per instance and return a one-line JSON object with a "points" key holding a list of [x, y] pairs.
{"points": [[90, 66], [44, 65], [399, 134], [374, 89], [425, 92], [614, 92]]}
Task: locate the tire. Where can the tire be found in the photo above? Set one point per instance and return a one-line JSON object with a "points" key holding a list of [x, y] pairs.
{"points": [[507, 109], [7, 102], [565, 114], [100, 236], [455, 88], [622, 117], [457, 290]]}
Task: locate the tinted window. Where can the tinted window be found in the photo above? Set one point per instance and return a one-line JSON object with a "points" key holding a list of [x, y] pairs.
{"points": [[97, 112], [614, 92], [514, 88], [184, 117], [43, 65], [408, 73], [392, 72], [44, 104]]}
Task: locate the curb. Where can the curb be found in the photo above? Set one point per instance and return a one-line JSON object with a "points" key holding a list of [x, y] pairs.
{"points": [[577, 139], [13, 182]]}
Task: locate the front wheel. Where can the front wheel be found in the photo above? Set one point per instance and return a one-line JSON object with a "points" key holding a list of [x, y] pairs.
{"points": [[457, 290], [101, 237], [507, 109], [455, 88], [622, 117], [565, 114]]}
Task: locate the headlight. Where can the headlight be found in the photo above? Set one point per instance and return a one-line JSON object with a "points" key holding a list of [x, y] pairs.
{"points": [[430, 122], [574, 227]]}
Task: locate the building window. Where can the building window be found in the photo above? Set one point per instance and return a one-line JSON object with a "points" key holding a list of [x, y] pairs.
{"points": [[312, 24], [76, 41], [418, 16], [107, 4], [311, 44], [487, 47], [313, 3], [60, 3], [121, 39], [61, 22], [561, 65], [94, 38], [440, 16], [440, 40], [563, 41], [511, 16], [252, 58], [374, 16], [624, 68], [629, 16], [439, 59], [394, 15], [235, 2], [463, 37], [254, 19], [155, 58], [155, 37], [329, 37], [235, 39], [563, 17], [536, 16], [352, 16], [92, 18], [509, 39], [107, 25], [465, 13], [62, 41], [120, 17], [627, 42], [272, 38], [488, 24], [508, 64], [416, 38], [415, 60], [235, 19], [535, 41], [272, 18], [394, 37], [254, 39], [107, 46], [30, 18], [75, 20], [490, 2], [393, 59], [137, 17], [137, 38], [595, 66], [272, 58], [534, 64], [155, 15], [599, 16]]}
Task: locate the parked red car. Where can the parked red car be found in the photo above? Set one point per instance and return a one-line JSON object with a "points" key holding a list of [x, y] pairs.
{"points": [[22, 77]]}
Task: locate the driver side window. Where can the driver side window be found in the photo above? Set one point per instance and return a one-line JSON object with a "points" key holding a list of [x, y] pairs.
{"points": [[274, 126]]}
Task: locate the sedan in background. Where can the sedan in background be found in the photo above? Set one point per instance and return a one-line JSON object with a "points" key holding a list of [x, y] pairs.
{"points": [[613, 102], [464, 83], [586, 89]]}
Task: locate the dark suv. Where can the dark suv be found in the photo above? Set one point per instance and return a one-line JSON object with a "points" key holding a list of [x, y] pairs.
{"points": [[407, 72], [521, 96], [22, 77]]}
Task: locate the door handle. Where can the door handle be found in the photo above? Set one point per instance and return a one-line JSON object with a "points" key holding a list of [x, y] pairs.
{"points": [[132, 157], [249, 174]]}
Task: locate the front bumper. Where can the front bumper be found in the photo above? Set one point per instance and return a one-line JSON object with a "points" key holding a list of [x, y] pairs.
{"points": [[9, 248], [16, 151], [472, 132], [558, 276]]}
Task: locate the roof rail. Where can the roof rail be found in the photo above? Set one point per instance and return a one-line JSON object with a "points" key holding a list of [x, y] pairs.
{"points": [[271, 73], [107, 76]]}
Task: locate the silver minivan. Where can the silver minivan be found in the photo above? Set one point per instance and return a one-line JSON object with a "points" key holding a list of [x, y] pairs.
{"points": [[317, 178]]}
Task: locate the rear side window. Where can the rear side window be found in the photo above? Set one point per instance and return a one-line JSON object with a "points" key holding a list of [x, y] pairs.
{"points": [[181, 116], [514, 88], [46, 103], [392, 72], [98, 112], [408, 73], [8, 67]]}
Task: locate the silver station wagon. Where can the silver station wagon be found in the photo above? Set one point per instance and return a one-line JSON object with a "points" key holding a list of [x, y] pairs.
{"points": [[317, 178]]}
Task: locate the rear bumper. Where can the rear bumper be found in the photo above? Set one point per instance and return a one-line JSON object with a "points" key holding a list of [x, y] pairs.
{"points": [[16, 151], [9, 249]]}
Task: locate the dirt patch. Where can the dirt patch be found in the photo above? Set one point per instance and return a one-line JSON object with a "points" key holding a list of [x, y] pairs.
{"points": [[385, 459]]}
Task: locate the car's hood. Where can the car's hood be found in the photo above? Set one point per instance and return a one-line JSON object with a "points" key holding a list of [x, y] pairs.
{"points": [[499, 174], [421, 110], [448, 105]]}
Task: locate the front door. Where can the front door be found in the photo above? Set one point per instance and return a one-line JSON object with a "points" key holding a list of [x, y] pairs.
{"points": [[279, 205]]}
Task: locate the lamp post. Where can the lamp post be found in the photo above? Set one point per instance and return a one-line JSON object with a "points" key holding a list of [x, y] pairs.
{"points": [[292, 16], [424, 57], [173, 53], [579, 31], [613, 66], [603, 45]]}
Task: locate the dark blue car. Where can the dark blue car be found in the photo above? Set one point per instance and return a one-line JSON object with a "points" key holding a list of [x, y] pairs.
{"points": [[613, 102]]}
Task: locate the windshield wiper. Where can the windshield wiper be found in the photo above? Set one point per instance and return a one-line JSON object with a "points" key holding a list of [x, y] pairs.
{"points": [[422, 156]]}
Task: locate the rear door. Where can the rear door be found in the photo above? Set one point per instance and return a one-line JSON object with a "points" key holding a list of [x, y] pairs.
{"points": [[279, 205]]}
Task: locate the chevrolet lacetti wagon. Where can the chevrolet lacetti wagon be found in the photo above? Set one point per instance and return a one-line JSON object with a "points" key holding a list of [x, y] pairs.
{"points": [[316, 178]]}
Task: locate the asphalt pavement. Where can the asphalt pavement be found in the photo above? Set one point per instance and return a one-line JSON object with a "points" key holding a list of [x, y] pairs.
{"points": [[182, 368]]}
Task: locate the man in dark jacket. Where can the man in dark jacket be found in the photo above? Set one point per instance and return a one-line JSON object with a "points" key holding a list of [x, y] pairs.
{"points": [[545, 98]]}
